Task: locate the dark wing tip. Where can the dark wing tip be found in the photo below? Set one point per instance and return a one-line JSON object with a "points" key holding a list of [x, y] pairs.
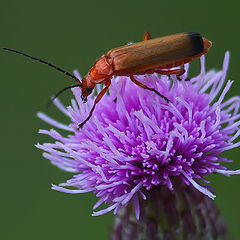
{"points": [[197, 42]]}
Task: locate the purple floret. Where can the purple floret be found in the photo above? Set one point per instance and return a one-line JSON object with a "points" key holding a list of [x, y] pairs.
{"points": [[136, 140]]}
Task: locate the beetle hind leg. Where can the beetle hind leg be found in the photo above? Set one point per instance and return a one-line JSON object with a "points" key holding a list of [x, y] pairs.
{"points": [[146, 36], [178, 72]]}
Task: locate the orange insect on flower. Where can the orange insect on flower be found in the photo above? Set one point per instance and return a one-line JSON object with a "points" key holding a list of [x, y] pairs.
{"points": [[149, 56]]}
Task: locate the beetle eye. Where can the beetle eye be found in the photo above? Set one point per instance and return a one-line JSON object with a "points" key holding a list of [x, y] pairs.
{"points": [[89, 89]]}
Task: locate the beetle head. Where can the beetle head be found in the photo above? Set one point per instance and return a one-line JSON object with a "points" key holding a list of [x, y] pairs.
{"points": [[87, 87]]}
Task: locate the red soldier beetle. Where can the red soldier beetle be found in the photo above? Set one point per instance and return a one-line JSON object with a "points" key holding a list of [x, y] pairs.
{"points": [[149, 56]]}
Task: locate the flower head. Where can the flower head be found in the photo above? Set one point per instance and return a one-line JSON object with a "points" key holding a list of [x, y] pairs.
{"points": [[136, 141]]}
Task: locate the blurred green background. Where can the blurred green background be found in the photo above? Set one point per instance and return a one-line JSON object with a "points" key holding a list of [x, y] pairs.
{"points": [[72, 34]]}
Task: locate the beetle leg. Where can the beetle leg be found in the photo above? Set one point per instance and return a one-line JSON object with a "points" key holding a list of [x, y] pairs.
{"points": [[98, 98], [150, 89], [146, 36], [178, 72]]}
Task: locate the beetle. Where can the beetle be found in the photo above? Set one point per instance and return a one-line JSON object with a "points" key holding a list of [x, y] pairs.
{"points": [[157, 55]]}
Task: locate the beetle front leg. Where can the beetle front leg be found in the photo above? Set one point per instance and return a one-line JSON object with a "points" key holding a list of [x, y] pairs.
{"points": [[150, 89], [98, 98]]}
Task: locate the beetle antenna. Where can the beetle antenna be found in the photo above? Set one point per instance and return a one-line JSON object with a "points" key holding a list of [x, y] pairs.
{"points": [[60, 92], [49, 64]]}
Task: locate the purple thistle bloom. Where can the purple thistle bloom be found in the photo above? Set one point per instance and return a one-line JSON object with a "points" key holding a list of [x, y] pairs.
{"points": [[136, 141]]}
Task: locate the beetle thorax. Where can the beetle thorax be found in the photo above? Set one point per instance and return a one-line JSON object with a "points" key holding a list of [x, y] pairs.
{"points": [[101, 70]]}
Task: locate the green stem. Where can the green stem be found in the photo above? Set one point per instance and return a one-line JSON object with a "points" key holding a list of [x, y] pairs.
{"points": [[181, 214]]}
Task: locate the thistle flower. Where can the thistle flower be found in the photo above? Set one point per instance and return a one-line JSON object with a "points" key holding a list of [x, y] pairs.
{"points": [[136, 141]]}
